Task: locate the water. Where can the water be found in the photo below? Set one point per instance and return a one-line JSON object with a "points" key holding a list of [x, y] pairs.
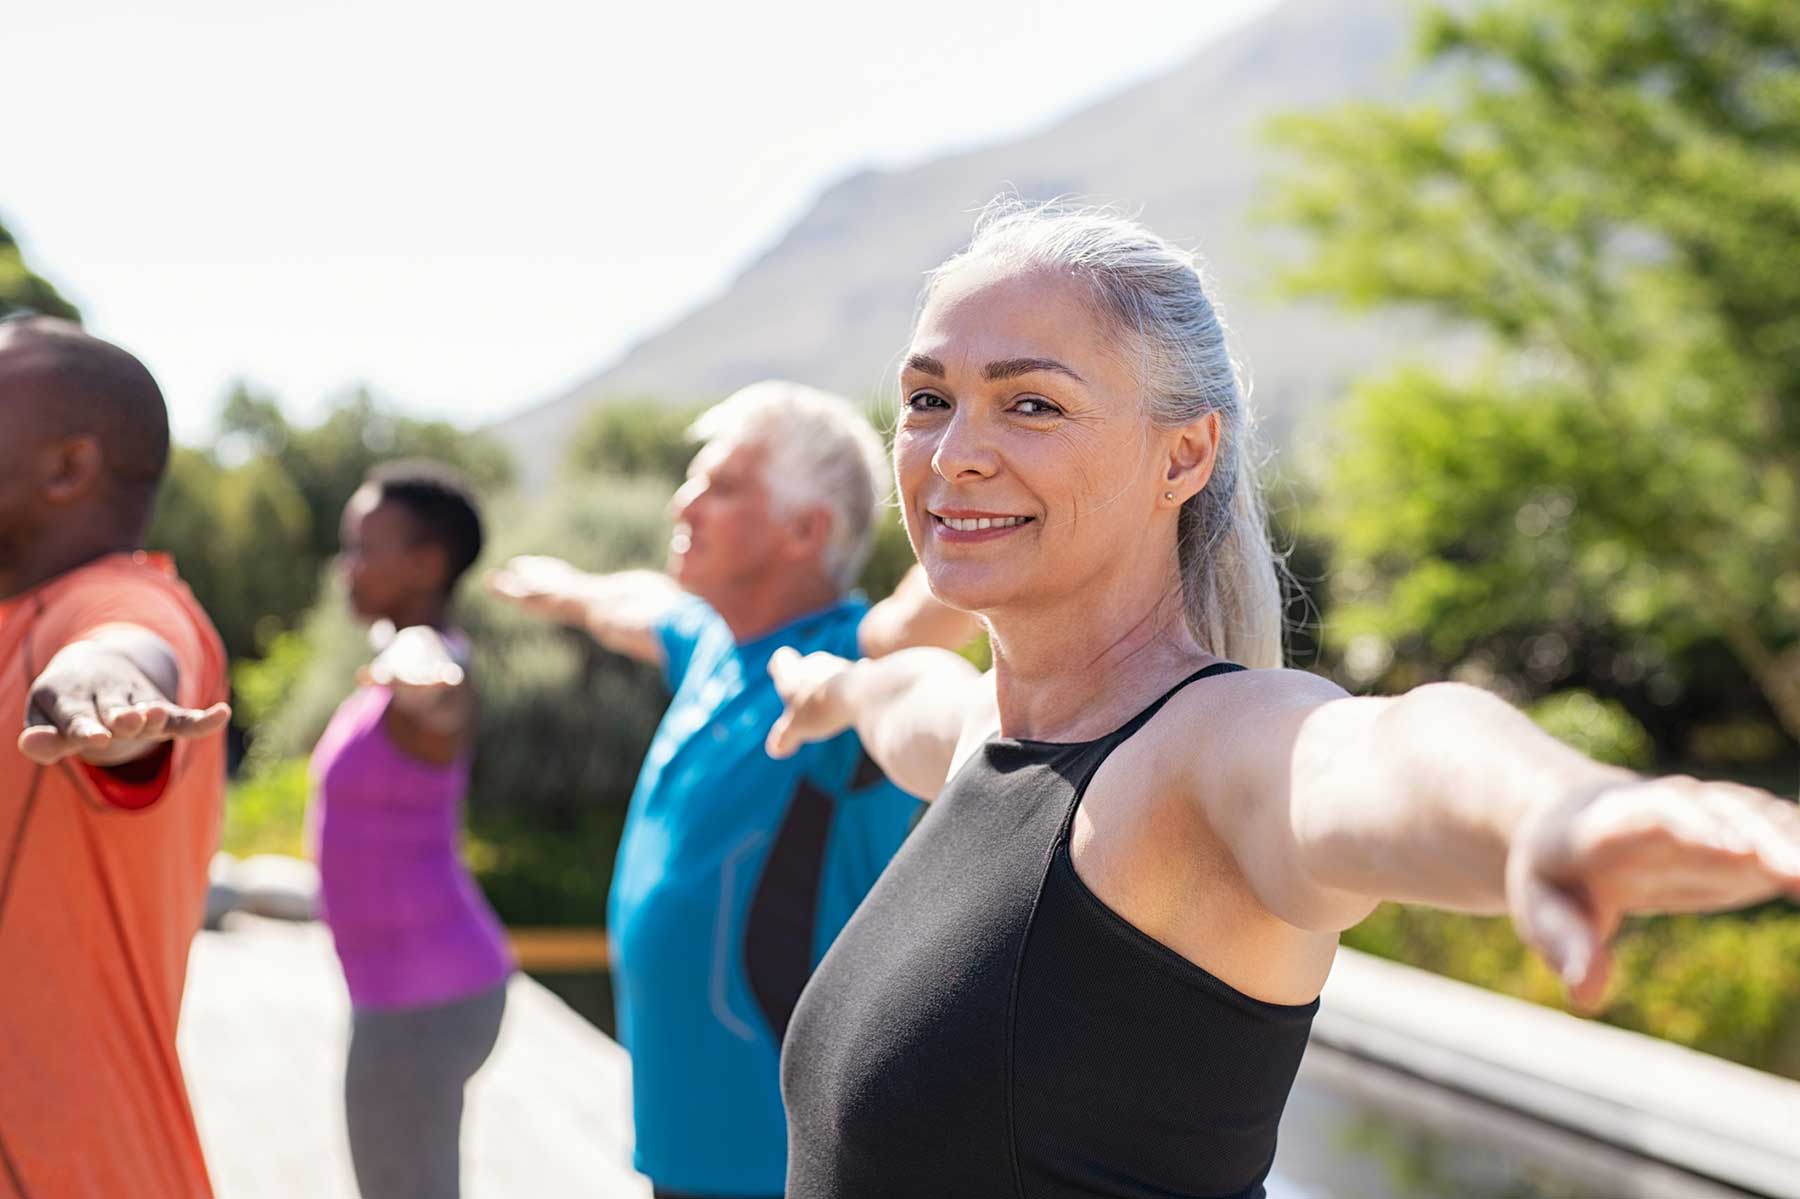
{"points": [[1358, 1130]]}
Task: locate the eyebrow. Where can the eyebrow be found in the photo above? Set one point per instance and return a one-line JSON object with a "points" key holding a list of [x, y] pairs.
{"points": [[1011, 368], [1006, 368]]}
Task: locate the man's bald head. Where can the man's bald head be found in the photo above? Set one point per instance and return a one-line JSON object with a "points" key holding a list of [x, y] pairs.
{"points": [[57, 381], [84, 440]]}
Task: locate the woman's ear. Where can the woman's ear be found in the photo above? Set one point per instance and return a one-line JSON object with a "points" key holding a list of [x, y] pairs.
{"points": [[1193, 453]]}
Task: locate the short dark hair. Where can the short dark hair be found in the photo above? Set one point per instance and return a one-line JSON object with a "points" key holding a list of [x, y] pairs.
{"points": [[442, 507]]}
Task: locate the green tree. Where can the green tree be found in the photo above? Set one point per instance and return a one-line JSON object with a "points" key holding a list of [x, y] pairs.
{"points": [[253, 523], [1609, 191], [242, 538], [20, 287], [633, 439]]}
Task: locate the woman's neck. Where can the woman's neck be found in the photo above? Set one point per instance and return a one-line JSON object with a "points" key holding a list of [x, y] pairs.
{"points": [[433, 612], [1076, 669]]}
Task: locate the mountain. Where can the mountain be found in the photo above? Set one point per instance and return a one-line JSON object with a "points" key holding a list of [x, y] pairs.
{"points": [[832, 301]]}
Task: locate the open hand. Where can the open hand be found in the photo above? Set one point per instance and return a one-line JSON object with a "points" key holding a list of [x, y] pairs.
{"points": [[1671, 844], [95, 700], [416, 659], [812, 689], [542, 585]]}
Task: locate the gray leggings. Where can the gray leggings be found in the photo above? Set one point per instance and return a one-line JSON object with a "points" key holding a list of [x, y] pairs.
{"points": [[403, 1093]]}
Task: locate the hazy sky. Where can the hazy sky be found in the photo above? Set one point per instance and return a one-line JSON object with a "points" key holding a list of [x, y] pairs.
{"points": [[471, 208]]}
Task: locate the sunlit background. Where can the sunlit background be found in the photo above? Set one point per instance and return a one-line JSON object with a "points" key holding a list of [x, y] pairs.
{"points": [[1517, 294], [470, 208]]}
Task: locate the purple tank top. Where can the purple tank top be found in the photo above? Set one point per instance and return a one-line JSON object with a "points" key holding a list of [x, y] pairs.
{"points": [[411, 927]]}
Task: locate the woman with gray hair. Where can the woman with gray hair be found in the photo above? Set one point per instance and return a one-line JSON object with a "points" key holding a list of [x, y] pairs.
{"points": [[1092, 969]]}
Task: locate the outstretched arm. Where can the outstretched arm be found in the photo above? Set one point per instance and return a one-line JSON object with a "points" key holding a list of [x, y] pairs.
{"points": [[912, 709], [618, 610], [913, 616], [111, 699], [1449, 796]]}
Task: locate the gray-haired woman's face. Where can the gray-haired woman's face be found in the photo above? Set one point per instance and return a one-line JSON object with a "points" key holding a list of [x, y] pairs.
{"points": [[1025, 464]]}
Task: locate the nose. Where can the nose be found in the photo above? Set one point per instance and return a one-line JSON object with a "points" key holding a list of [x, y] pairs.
{"points": [[682, 502], [965, 449]]}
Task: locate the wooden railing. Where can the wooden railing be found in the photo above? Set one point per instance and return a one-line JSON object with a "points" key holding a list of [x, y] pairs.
{"points": [[550, 950]]}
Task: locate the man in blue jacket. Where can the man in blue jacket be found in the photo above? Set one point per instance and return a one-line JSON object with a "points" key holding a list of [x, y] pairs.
{"points": [[736, 871]]}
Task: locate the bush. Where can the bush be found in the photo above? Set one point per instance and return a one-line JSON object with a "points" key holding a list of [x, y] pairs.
{"points": [[1725, 985], [1601, 729], [266, 812]]}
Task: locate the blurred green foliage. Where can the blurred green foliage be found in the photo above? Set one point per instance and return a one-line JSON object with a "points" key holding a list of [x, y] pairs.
{"points": [[23, 288], [635, 440], [1601, 729], [253, 521], [1607, 192], [1723, 985], [265, 812]]}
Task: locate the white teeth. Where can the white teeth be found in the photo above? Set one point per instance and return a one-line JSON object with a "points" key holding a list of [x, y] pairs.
{"points": [[973, 524]]}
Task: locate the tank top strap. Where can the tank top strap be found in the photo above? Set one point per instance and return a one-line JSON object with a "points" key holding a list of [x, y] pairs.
{"points": [[1130, 728], [1093, 754]]}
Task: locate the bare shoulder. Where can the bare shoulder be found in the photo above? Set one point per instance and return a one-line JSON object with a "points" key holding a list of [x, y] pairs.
{"points": [[1229, 700], [1230, 723]]}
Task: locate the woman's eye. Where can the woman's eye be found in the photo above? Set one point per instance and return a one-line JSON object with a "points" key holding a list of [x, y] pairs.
{"points": [[1032, 406], [921, 401]]}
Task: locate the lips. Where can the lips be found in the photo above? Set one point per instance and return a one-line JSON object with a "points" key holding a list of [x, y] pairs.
{"points": [[971, 524]]}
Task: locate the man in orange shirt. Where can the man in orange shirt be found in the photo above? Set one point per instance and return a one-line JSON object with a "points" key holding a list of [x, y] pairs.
{"points": [[111, 798]]}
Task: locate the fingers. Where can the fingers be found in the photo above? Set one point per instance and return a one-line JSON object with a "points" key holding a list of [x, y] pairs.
{"points": [[1767, 828], [529, 576], [1567, 936], [805, 684], [781, 742], [61, 724], [421, 675], [44, 745], [47, 741], [784, 665]]}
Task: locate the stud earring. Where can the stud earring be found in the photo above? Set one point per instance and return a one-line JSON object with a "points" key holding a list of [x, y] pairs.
{"points": [[1168, 495]]}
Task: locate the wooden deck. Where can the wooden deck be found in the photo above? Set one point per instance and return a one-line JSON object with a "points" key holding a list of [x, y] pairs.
{"points": [[262, 1042]]}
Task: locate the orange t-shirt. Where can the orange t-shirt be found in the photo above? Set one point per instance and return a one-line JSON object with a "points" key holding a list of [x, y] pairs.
{"points": [[99, 902]]}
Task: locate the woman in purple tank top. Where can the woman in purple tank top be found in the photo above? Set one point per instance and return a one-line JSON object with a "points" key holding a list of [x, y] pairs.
{"points": [[425, 958]]}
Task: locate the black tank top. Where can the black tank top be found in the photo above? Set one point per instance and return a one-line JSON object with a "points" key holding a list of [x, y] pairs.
{"points": [[985, 1026]]}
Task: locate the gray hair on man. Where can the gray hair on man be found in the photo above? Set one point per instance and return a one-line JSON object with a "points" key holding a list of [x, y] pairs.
{"points": [[818, 449]]}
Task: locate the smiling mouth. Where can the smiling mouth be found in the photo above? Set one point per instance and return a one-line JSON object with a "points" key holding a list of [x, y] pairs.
{"points": [[974, 524]]}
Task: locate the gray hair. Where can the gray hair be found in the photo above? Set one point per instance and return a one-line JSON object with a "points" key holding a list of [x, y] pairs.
{"points": [[1154, 293], [818, 449]]}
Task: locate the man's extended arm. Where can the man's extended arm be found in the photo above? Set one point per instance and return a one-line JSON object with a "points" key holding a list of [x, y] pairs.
{"points": [[619, 610]]}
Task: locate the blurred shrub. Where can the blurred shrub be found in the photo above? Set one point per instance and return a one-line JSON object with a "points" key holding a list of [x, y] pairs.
{"points": [[642, 439], [1601, 729], [21, 287], [265, 812], [252, 522], [1726, 985]]}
